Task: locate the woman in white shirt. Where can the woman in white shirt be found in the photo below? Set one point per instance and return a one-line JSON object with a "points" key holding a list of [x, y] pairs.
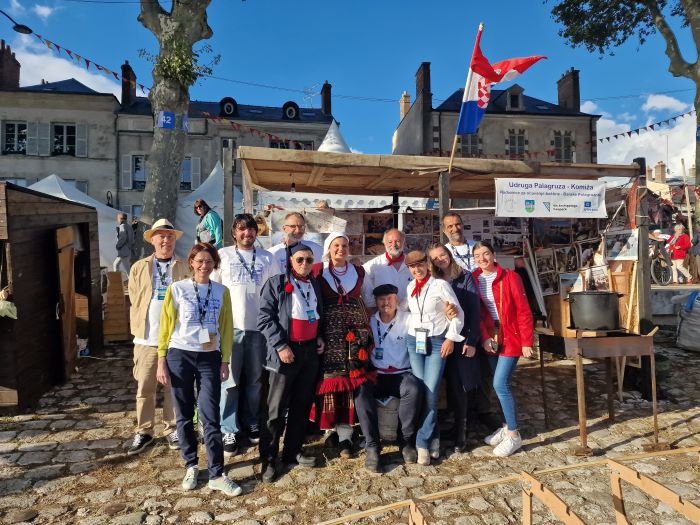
{"points": [[430, 340]]}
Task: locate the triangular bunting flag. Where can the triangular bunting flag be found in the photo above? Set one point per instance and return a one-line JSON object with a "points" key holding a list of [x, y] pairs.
{"points": [[48, 43], [629, 133], [87, 64], [143, 88], [636, 131], [39, 37], [69, 52], [78, 58], [115, 75], [607, 138], [652, 126], [58, 48]]}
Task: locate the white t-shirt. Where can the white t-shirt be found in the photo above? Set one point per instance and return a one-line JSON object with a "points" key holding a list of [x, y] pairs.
{"points": [[428, 310], [392, 343], [160, 284], [279, 255], [378, 272], [245, 288], [463, 254], [186, 333], [304, 300]]}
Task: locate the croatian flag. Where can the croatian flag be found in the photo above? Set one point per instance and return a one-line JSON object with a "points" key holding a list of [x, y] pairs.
{"points": [[477, 91]]}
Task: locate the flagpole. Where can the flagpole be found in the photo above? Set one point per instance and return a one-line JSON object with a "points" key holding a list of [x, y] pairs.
{"points": [[469, 75]]}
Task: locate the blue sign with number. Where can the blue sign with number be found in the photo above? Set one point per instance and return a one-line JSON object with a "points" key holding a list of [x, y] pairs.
{"points": [[166, 120]]}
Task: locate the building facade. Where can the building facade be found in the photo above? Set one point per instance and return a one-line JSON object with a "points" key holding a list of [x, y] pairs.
{"points": [[101, 144], [515, 125]]}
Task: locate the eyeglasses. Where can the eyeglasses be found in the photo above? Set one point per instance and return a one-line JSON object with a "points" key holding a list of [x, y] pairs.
{"points": [[307, 260], [295, 226], [202, 262]]}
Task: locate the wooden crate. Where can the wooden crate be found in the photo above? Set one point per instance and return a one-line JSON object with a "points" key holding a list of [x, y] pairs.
{"points": [[116, 310]]}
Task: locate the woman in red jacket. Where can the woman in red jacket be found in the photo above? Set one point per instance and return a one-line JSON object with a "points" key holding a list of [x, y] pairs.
{"points": [[677, 247], [507, 334]]}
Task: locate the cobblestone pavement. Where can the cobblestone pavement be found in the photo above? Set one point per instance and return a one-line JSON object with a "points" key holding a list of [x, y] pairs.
{"points": [[65, 462]]}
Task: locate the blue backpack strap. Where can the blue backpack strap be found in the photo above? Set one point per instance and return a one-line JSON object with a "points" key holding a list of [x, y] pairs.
{"points": [[691, 301]]}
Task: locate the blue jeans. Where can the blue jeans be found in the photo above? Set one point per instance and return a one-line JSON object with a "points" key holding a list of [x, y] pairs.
{"points": [[185, 368], [503, 368], [247, 358], [428, 369]]}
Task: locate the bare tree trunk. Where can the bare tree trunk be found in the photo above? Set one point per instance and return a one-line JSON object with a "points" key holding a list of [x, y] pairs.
{"points": [[176, 31]]}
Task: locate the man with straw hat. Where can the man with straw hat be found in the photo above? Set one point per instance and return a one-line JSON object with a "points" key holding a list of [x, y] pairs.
{"points": [[148, 280]]}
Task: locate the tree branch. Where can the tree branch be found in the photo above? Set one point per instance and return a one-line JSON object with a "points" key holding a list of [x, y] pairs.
{"points": [[196, 10], [150, 15], [678, 67], [692, 16]]}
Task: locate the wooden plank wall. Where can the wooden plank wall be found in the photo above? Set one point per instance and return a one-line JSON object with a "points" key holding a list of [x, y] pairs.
{"points": [[30, 221]]}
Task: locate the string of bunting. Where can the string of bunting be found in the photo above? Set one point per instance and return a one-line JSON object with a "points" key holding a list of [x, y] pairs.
{"points": [[649, 127], [88, 62]]}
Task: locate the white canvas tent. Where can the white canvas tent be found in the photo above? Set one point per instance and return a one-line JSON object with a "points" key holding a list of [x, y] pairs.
{"points": [[106, 216]]}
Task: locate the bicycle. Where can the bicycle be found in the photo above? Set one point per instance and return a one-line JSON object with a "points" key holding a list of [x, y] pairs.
{"points": [[661, 272]]}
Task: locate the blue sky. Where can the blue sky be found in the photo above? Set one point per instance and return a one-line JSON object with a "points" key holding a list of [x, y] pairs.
{"points": [[372, 49]]}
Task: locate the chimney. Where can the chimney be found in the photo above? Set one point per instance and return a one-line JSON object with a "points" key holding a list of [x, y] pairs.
{"points": [[660, 172], [569, 91], [691, 175], [423, 86], [128, 85], [650, 173], [326, 98], [404, 104], [9, 68]]}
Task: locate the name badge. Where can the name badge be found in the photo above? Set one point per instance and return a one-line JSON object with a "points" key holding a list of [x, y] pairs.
{"points": [[250, 288], [311, 316], [379, 354], [160, 293], [203, 335], [421, 341]]}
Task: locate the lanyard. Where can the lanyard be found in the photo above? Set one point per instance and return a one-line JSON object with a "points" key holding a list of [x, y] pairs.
{"points": [[163, 276], [461, 257], [251, 270], [425, 297], [202, 310], [381, 337], [306, 295]]}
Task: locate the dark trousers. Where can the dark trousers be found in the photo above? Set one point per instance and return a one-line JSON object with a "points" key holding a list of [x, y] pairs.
{"points": [[458, 401], [293, 388], [409, 390], [482, 395], [204, 368]]}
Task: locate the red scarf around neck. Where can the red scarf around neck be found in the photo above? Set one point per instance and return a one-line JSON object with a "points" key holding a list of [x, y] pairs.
{"points": [[299, 276], [393, 260], [419, 285]]}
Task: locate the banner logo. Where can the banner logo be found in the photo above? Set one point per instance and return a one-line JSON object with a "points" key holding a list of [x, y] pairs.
{"points": [[546, 205], [529, 205]]}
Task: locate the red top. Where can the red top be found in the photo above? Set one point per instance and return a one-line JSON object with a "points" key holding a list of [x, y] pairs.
{"points": [[678, 248], [514, 311], [302, 330]]}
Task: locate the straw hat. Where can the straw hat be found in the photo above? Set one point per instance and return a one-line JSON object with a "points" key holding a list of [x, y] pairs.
{"points": [[162, 225]]}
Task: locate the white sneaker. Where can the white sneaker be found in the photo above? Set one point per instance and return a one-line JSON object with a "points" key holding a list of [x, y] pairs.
{"points": [[509, 445], [423, 456], [189, 482], [496, 437]]}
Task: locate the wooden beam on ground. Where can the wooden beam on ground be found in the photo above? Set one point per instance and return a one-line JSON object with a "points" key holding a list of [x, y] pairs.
{"points": [[415, 516], [553, 502]]}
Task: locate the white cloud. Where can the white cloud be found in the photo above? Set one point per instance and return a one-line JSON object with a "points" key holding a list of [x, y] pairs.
{"points": [[43, 11], [592, 108], [626, 117], [38, 63], [353, 150], [16, 8], [648, 144], [664, 102]]}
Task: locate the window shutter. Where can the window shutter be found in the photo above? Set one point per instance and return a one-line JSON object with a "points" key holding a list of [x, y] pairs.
{"points": [[44, 139], [81, 140], [32, 138], [196, 167], [2, 136], [126, 172]]}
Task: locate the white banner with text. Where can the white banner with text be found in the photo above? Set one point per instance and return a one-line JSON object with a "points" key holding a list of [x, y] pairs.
{"points": [[550, 198]]}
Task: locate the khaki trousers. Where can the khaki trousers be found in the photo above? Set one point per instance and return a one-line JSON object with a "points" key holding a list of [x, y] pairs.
{"points": [[145, 366]]}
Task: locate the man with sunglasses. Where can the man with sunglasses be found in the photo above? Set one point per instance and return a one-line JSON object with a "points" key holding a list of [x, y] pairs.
{"points": [[291, 310], [294, 229], [244, 270]]}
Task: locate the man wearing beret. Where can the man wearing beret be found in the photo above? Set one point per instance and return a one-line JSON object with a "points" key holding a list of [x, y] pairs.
{"points": [[394, 378]]}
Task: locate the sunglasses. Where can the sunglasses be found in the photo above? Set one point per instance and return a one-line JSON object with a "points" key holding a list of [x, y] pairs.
{"points": [[308, 260], [418, 263]]}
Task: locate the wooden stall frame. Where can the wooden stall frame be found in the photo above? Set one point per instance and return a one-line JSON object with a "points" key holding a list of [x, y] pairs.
{"points": [[553, 502]]}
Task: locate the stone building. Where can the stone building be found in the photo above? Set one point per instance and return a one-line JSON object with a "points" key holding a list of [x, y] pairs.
{"points": [[515, 125], [101, 145]]}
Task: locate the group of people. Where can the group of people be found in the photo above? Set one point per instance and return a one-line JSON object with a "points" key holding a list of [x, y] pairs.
{"points": [[325, 339]]}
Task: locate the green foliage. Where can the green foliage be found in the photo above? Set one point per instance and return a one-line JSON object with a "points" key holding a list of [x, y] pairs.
{"points": [[603, 24], [179, 62]]}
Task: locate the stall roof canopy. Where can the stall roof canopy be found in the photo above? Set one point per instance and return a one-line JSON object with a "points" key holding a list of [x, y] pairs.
{"points": [[411, 176]]}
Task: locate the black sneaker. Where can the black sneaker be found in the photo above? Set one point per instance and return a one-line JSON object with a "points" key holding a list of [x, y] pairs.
{"points": [[141, 441], [230, 444], [409, 453], [254, 434], [173, 441], [372, 462], [269, 473]]}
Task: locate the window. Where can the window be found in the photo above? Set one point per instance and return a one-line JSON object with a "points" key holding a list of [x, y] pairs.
{"points": [[186, 174], [516, 144], [15, 138], [563, 147], [470, 145], [136, 211], [514, 100], [64, 139], [81, 185], [18, 182], [139, 175], [307, 145]]}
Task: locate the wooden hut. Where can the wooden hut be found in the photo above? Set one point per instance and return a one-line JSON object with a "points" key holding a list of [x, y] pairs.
{"points": [[49, 256]]}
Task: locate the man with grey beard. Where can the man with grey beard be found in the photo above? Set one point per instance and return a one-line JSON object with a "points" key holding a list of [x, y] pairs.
{"points": [[388, 268]]}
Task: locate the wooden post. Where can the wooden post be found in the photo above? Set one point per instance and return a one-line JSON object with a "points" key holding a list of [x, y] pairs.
{"points": [[229, 212], [608, 380], [687, 202], [527, 507], [444, 196], [583, 450], [395, 207], [618, 500], [247, 189]]}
